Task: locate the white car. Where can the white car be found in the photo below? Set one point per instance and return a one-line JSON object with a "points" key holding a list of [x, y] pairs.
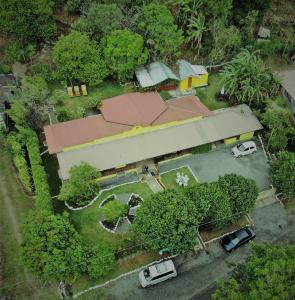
{"points": [[157, 273], [244, 149]]}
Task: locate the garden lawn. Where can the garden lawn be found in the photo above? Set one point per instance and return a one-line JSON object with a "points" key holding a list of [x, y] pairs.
{"points": [[169, 179], [207, 95], [105, 90], [87, 220]]}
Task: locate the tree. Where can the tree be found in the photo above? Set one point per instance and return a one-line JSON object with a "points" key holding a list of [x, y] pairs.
{"points": [[114, 209], [34, 90], [248, 28], [27, 20], [242, 193], [78, 60], [51, 246], [282, 173], [81, 187], [18, 113], [163, 38], [220, 212], [123, 51], [278, 120], [267, 274], [100, 20], [100, 259], [167, 221], [248, 80]]}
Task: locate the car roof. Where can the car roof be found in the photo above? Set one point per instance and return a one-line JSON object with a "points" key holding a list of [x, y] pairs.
{"points": [[242, 233], [161, 268], [249, 143]]}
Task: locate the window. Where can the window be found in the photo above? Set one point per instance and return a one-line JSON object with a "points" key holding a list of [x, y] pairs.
{"points": [[162, 275]]}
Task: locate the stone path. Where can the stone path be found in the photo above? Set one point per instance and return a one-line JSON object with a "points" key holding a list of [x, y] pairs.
{"points": [[153, 183], [123, 197], [123, 226], [266, 198]]}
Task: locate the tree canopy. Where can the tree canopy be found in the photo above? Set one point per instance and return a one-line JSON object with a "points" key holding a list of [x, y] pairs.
{"points": [[27, 20], [163, 38], [78, 60], [248, 80], [123, 51], [267, 274], [242, 193], [51, 247], [100, 20], [81, 187], [167, 220], [282, 173]]}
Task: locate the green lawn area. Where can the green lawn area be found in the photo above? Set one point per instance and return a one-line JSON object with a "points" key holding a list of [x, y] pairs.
{"points": [[208, 94], [169, 178], [105, 90], [87, 220]]}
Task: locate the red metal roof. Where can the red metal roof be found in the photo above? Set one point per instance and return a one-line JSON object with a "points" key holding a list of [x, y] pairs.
{"points": [[76, 132]]}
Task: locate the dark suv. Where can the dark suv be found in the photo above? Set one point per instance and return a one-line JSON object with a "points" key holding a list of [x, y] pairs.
{"points": [[237, 238]]}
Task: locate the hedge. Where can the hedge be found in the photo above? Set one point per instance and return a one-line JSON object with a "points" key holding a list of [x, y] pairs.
{"points": [[19, 161], [43, 198]]}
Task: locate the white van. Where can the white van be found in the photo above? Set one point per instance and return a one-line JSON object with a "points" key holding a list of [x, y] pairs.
{"points": [[157, 273]]}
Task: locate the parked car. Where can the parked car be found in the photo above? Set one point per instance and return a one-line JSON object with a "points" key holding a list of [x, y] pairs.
{"points": [[237, 239], [244, 148], [157, 273]]}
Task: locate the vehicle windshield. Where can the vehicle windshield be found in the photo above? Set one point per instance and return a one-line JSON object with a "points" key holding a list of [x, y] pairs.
{"points": [[147, 274], [241, 147], [235, 241]]}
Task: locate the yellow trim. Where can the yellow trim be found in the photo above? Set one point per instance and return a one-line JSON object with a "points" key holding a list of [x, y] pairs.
{"points": [[231, 140], [105, 177], [246, 136], [174, 158], [136, 130], [130, 171]]}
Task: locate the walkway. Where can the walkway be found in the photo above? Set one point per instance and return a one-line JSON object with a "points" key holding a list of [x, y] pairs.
{"points": [[153, 183]]}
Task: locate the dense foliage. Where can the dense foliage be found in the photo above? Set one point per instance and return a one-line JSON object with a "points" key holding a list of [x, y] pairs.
{"points": [[27, 20], [114, 209], [78, 60], [51, 246], [167, 220], [81, 187], [242, 193], [282, 173], [248, 80], [163, 38], [268, 274], [123, 51]]}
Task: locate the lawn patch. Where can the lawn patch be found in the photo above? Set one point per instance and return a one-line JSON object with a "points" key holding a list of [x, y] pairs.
{"points": [[168, 179], [207, 95]]}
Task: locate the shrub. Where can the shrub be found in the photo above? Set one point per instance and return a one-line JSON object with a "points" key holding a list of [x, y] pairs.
{"points": [[23, 171], [63, 115], [99, 260], [4, 68], [114, 209], [43, 71], [202, 149]]}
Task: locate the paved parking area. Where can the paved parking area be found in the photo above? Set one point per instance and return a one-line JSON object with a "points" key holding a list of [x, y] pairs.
{"points": [[209, 166]]}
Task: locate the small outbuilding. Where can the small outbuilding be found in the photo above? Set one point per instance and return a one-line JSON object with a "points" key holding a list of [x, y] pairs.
{"points": [[263, 34]]}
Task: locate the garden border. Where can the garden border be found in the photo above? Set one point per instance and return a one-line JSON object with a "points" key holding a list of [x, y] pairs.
{"points": [[97, 196]]}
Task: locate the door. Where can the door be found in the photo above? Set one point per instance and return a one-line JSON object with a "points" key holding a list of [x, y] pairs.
{"points": [[189, 83]]}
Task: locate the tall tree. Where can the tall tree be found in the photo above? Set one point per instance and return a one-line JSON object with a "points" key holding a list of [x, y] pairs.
{"points": [[242, 193], [163, 38], [248, 80], [267, 274], [167, 220], [100, 20], [78, 60], [282, 173], [81, 187], [123, 51], [51, 247], [27, 20]]}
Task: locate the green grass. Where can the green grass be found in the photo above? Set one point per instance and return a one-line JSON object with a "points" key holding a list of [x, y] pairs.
{"points": [[86, 220], [105, 90], [169, 178], [208, 94]]}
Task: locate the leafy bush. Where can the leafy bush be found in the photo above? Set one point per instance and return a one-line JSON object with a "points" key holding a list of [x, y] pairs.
{"points": [[99, 260], [43, 71], [202, 149], [23, 171], [63, 115], [4, 68], [81, 187], [43, 198], [114, 209]]}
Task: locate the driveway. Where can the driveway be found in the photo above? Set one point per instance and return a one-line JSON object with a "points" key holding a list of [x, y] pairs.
{"points": [[209, 166], [198, 273]]}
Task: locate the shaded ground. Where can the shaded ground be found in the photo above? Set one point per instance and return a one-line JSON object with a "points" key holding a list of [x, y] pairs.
{"points": [[209, 166]]}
